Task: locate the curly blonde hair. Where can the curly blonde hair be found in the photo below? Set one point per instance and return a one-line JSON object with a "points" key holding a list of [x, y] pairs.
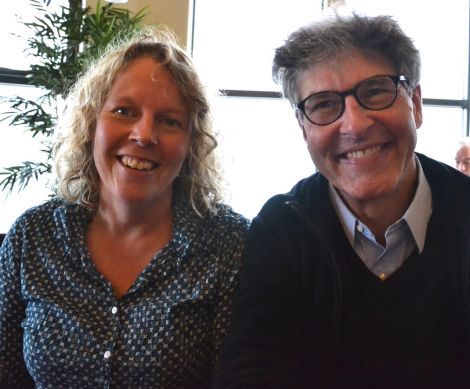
{"points": [[77, 180]]}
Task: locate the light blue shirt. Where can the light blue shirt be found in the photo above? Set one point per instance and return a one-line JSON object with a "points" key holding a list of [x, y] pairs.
{"points": [[402, 237]]}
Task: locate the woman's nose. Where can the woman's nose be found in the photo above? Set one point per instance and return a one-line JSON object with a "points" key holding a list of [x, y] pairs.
{"points": [[144, 131]]}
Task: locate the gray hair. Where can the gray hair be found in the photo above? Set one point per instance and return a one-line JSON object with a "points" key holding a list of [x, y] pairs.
{"points": [[464, 141], [338, 35]]}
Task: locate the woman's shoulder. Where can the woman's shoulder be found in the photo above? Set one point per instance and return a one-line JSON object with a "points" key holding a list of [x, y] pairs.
{"points": [[225, 231], [46, 216], [225, 221], [221, 215], [38, 211], [32, 222], [224, 213], [220, 224], [47, 208]]}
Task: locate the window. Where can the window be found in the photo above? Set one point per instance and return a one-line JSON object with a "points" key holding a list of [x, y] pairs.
{"points": [[262, 146], [17, 146]]}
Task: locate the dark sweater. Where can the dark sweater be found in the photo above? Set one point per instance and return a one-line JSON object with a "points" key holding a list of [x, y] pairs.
{"points": [[308, 313]]}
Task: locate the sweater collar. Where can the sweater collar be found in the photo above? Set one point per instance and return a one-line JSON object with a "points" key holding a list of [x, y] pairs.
{"points": [[416, 216]]}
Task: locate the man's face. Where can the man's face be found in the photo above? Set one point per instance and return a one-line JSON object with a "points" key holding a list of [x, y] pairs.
{"points": [[366, 155], [462, 159]]}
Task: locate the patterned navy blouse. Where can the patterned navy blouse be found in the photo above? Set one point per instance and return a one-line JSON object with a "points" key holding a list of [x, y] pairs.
{"points": [[61, 326]]}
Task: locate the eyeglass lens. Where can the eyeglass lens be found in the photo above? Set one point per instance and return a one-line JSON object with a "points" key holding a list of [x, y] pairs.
{"points": [[374, 93]]}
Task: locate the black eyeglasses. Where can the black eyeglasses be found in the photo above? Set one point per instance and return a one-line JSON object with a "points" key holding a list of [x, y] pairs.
{"points": [[375, 93]]}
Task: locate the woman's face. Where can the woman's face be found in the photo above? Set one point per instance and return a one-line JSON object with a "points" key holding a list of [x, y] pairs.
{"points": [[142, 135]]}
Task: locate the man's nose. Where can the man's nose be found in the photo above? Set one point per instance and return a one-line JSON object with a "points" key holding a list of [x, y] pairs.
{"points": [[355, 118]]}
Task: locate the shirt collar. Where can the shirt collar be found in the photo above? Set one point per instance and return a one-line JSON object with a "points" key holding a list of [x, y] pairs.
{"points": [[416, 216], [185, 221], [419, 212]]}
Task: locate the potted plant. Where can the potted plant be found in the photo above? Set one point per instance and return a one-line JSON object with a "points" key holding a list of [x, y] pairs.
{"points": [[62, 42]]}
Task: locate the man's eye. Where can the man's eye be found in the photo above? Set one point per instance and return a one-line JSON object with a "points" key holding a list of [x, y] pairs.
{"points": [[324, 104], [376, 90]]}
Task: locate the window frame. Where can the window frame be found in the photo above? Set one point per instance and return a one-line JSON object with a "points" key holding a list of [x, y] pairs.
{"points": [[463, 103]]}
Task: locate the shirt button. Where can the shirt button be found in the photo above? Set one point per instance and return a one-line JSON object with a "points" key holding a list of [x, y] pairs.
{"points": [[360, 228], [114, 310], [107, 355]]}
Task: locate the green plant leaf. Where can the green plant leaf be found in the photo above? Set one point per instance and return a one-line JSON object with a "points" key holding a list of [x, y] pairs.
{"points": [[19, 176], [61, 43]]}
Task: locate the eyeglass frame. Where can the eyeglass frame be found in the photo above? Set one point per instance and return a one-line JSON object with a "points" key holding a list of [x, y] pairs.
{"points": [[352, 92]]}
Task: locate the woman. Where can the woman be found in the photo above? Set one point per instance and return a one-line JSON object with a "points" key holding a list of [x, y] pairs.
{"points": [[124, 279]]}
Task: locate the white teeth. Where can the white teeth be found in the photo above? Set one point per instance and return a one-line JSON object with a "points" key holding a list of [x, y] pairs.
{"points": [[136, 164], [362, 153]]}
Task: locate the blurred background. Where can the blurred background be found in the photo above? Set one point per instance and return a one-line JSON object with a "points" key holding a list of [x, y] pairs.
{"points": [[232, 43]]}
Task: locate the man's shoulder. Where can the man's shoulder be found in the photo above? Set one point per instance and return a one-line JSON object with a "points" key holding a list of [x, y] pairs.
{"points": [[304, 194], [450, 189], [442, 176]]}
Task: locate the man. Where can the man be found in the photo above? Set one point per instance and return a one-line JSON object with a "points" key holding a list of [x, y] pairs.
{"points": [[358, 277], [462, 157]]}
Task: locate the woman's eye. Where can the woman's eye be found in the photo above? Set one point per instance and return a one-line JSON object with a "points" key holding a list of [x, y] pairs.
{"points": [[170, 122], [123, 111]]}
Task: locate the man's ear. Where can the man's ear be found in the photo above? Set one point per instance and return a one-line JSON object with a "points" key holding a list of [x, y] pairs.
{"points": [[300, 119], [417, 106]]}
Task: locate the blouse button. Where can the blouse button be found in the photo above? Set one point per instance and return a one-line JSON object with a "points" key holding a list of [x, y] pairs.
{"points": [[107, 354], [114, 310]]}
